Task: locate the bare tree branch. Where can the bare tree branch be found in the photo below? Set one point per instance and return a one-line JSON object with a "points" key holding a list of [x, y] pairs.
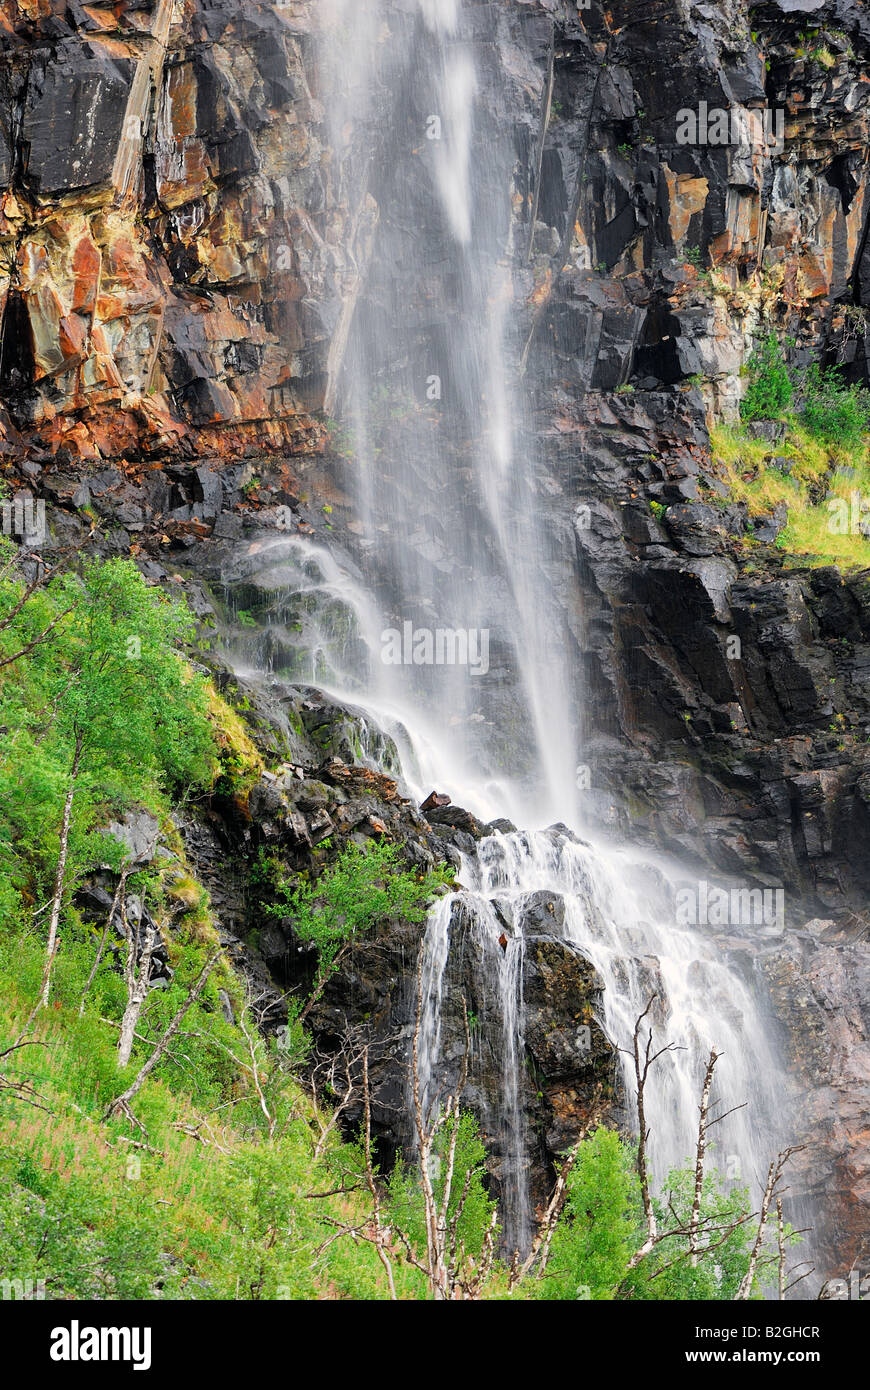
{"points": [[700, 1155], [121, 1103], [774, 1174]]}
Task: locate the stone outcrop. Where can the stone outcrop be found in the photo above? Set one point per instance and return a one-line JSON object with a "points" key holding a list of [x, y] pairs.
{"points": [[819, 985], [164, 287]]}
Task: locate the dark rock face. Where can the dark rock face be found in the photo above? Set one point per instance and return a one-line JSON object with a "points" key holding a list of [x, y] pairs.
{"points": [[565, 1063], [560, 993], [209, 336], [819, 981], [160, 181], [73, 118]]}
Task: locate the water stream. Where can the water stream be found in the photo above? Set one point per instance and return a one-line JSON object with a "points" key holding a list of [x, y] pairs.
{"points": [[453, 539], [619, 913]]}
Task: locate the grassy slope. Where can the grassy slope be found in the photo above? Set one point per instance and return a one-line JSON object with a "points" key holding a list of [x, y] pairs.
{"points": [[745, 465], [193, 1199]]}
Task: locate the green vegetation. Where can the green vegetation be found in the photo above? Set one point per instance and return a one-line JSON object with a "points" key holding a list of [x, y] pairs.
{"points": [[101, 711], [364, 888], [832, 411], [819, 468], [473, 1215], [814, 531], [769, 392], [205, 1193], [829, 409], [603, 1227], [196, 1201]]}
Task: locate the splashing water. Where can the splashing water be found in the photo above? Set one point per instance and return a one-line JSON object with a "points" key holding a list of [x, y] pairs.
{"points": [[499, 989], [619, 914]]}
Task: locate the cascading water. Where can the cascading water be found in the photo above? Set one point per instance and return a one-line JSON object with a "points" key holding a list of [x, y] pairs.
{"points": [[448, 534], [424, 371], [499, 985], [619, 913]]}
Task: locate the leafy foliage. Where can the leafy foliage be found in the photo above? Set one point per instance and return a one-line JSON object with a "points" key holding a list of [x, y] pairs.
{"points": [[363, 888], [598, 1231], [112, 677], [769, 392], [477, 1207], [235, 1183], [602, 1227], [832, 410]]}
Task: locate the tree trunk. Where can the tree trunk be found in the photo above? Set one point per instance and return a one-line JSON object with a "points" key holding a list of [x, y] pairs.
{"points": [[121, 1103], [137, 989], [54, 920]]}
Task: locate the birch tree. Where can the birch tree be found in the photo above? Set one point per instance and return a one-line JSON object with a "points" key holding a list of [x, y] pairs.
{"points": [[125, 703]]}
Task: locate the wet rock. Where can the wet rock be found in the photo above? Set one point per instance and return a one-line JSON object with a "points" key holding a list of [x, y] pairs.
{"points": [[456, 818], [820, 992], [137, 832]]}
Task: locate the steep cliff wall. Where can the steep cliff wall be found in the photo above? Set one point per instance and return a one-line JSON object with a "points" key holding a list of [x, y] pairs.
{"points": [[168, 259], [180, 251]]}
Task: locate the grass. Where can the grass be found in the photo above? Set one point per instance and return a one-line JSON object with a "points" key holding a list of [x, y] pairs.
{"points": [[195, 1205], [744, 464]]}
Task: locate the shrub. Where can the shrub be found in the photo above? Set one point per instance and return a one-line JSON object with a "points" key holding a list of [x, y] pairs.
{"points": [[769, 393], [832, 410], [364, 887], [469, 1204], [602, 1226]]}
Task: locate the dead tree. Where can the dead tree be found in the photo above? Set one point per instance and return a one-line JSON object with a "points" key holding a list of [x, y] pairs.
{"points": [[446, 1267], [137, 973], [642, 1064], [451, 1274], [381, 1236], [337, 1074], [703, 1234], [21, 1090], [774, 1177], [121, 1104], [780, 1250], [252, 1065]]}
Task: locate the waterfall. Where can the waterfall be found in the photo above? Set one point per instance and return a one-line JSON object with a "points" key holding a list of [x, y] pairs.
{"points": [[619, 913], [451, 539], [499, 982]]}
